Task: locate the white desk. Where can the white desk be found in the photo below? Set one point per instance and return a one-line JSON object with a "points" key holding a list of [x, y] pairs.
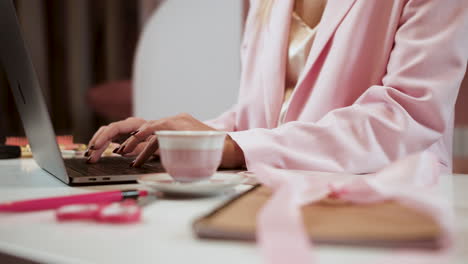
{"points": [[164, 236]]}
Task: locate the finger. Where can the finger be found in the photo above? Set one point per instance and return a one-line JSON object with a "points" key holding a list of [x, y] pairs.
{"points": [[132, 141], [102, 130], [155, 155], [116, 128], [91, 142], [95, 155], [95, 136], [119, 139], [147, 152], [142, 134], [137, 150]]}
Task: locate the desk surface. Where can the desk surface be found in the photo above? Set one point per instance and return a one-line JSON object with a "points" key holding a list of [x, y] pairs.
{"points": [[164, 236]]}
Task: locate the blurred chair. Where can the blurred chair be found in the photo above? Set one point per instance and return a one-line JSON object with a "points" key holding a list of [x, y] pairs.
{"points": [[187, 59]]}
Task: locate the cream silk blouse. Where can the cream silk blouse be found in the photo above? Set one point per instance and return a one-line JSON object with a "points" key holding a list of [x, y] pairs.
{"points": [[301, 37]]}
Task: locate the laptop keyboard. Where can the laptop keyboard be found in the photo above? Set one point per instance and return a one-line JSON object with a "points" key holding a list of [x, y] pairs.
{"points": [[110, 166]]}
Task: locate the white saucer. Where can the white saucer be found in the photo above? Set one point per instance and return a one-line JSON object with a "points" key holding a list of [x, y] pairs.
{"points": [[219, 182]]}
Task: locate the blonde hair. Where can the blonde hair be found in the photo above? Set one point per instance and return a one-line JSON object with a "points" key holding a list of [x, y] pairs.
{"points": [[264, 11]]}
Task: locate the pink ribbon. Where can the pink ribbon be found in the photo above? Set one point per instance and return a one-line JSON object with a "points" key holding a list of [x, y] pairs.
{"points": [[412, 181]]}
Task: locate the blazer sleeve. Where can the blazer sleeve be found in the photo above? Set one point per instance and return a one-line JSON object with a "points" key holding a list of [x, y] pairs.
{"points": [[224, 122], [409, 112]]}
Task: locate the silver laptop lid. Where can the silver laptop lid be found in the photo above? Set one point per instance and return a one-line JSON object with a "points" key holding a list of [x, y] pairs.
{"points": [[16, 63]]}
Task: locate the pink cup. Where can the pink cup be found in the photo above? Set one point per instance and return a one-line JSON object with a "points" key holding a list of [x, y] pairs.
{"points": [[190, 156]]}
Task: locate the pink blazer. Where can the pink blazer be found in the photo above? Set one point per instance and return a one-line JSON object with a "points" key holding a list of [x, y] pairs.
{"points": [[380, 83]]}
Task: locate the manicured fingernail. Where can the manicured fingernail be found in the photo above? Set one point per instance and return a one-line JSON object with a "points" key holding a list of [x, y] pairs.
{"points": [[86, 154], [134, 132], [116, 150], [131, 164], [88, 160], [122, 148], [91, 147]]}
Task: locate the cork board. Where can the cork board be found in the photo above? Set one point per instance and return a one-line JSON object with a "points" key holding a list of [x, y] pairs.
{"points": [[330, 221]]}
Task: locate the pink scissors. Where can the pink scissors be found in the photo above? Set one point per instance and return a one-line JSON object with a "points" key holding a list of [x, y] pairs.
{"points": [[123, 212]]}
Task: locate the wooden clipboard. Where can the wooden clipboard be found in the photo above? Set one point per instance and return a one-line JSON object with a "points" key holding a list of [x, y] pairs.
{"points": [[329, 221]]}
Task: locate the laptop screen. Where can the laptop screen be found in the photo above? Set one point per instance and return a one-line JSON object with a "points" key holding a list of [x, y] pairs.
{"points": [[21, 76]]}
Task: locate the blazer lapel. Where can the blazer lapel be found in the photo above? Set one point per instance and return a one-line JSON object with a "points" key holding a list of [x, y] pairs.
{"points": [[334, 13], [274, 39]]}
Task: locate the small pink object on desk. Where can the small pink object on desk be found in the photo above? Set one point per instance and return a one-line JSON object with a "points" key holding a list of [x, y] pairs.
{"points": [[125, 212], [57, 202], [66, 140]]}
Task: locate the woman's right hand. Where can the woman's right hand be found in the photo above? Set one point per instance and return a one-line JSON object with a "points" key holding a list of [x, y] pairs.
{"points": [[104, 136]]}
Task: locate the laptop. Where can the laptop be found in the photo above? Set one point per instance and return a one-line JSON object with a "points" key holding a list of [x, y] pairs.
{"points": [[17, 66]]}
